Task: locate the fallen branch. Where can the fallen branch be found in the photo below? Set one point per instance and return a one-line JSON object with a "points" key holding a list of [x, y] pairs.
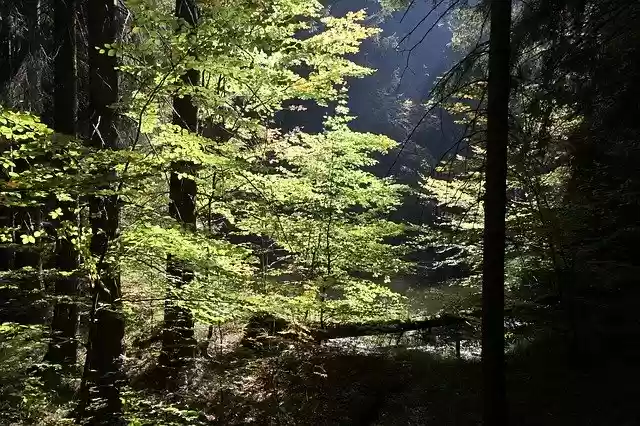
{"points": [[390, 327]]}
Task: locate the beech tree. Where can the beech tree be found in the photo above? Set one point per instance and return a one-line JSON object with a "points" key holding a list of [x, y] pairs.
{"points": [[178, 344]]}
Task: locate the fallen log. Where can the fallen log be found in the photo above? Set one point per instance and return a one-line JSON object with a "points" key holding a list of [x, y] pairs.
{"points": [[391, 327]]}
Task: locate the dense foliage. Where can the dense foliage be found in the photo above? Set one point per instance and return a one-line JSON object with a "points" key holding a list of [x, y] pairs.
{"points": [[186, 207]]}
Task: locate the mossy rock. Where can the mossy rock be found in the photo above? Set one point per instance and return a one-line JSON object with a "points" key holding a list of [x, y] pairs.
{"points": [[267, 331]]}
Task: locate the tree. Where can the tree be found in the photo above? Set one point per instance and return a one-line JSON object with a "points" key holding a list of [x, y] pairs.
{"points": [[178, 343], [585, 66], [493, 360], [20, 29], [20, 38], [298, 226], [102, 375], [63, 345]]}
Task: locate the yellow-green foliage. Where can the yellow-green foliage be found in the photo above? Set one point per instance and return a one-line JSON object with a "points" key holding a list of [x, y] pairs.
{"points": [[308, 194]]}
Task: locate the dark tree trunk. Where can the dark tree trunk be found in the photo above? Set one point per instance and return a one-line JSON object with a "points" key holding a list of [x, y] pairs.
{"points": [[25, 303], [7, 255], [6, 251], [178, 342], [21, 38], [33, 90], [102, 378], [493, 360], [14, 40], [63, 345], [27, 264]]}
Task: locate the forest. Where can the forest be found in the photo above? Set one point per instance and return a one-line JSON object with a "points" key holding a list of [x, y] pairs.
{"points": [[319, 212]]}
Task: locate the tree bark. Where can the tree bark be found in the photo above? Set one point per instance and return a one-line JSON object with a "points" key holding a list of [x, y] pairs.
{"points": [[7, 256], [21, 38], [25, 303], [178, 342], [63, 344], [493, 359], [6, 251], [14, 41], [102, 379], [27, 263]]}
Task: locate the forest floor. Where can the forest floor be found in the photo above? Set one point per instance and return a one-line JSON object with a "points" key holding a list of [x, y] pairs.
{"points": [[325, 386], [550, 382]]}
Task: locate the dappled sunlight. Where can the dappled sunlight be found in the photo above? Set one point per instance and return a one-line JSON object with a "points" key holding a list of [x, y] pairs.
{"points": [[305, 212]]}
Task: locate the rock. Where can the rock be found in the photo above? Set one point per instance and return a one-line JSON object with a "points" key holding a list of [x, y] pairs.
{"points": [[265, 330]]}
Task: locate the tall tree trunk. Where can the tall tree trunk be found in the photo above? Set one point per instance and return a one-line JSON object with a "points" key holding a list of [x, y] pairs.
{"points": [[20, 43], [25, 219], [7, 255], [102, 378], [25, 303], [493, 360], [27, 263], [33, 90], [63, 345], [6, 251], [178, 342], [14, 46]]}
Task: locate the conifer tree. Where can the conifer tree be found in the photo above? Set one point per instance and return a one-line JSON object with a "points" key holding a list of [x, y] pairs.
{"points": [[495, 201]]}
